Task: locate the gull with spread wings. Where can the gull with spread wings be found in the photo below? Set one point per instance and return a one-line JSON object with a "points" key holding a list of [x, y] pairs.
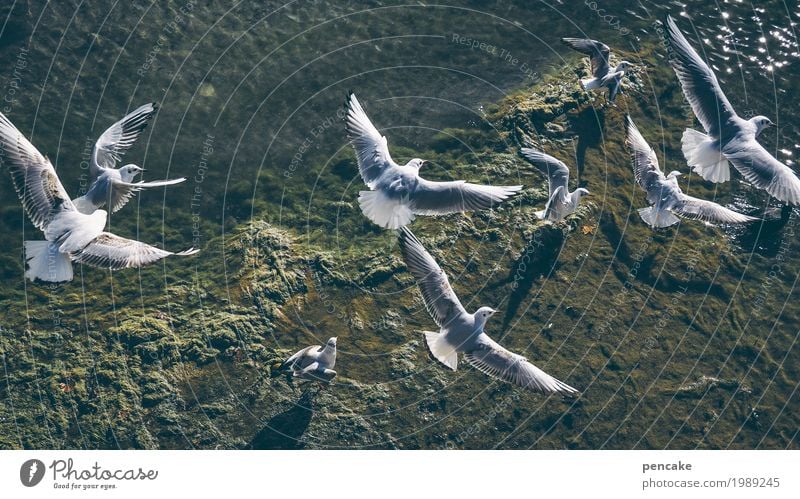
{"points": [[115, 186], [71, 236], [560, 201], [728, 138], [603, 75], [397, 193], [664, 193], [462, 332]]}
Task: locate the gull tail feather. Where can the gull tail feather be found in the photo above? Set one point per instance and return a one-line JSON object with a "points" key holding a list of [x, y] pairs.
{"points": [[590, 83], [656, 218], [384, 211], [441, 349], [46, 263], [703, 155]]}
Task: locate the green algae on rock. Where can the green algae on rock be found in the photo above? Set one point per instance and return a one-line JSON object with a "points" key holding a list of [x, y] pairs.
{"points": [[611, 311]]}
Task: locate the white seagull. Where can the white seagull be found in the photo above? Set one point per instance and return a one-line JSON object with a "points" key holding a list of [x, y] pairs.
{"points": [[397, 193], [603, 75], [314, 362], [71, 235], [463, 332], [664, 193], [560, 201], [112, 185], [729, 138]]}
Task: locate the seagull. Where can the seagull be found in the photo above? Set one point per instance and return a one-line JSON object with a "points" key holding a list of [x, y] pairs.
{"points": [[71, 236], [463, 332], [728, 138], [397, 193], [314, 362], [603, 76], [560, 201], [112, 185], [664, 193]]}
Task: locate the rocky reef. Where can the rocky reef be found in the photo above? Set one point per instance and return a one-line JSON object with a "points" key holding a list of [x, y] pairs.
{"points": [[652, 327]]}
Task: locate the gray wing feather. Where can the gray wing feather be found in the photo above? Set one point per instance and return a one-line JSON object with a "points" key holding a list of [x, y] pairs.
{"points": [[492, 359], [645, 163], [441, 302], [556, 171], [441, 198], [699, 83], [707, 211], [120, 137], [117, 193], [114, 252], [761, 169], [555, 204], [598, 54], [303, 358], [33, 176], [372, 149], [122, 192]]}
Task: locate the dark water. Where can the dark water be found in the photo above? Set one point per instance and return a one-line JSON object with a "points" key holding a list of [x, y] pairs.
{"points": [[249, 96]]}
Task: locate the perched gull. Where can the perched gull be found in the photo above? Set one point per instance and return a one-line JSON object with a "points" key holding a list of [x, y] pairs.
{"points": [[729, 138], [603, 75], [71, 235], [463, 332], [112, 185], [560, 201], [314, 362], [397, 193], [664, 193]]}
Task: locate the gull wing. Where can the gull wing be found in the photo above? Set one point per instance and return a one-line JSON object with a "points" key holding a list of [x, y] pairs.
{"points": [[441, 302], [492, 359]]}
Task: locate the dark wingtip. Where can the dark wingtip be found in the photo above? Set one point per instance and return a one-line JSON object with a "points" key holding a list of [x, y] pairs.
{"points": [[629, 124], [406, 234], [406, 237], [672, 28]]}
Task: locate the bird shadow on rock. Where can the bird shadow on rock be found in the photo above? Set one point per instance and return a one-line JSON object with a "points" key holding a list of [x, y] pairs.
{"points": [[540, 258], [284, 431], [766, 237], [588, 124]]}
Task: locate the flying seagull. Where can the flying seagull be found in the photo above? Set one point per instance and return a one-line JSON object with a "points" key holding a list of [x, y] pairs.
{"points": [[560, 201], [314, 362], [397, 193], [71, 236], [463, 332], [115, 186], [603, 75], [728, 138], [664, 193]]}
